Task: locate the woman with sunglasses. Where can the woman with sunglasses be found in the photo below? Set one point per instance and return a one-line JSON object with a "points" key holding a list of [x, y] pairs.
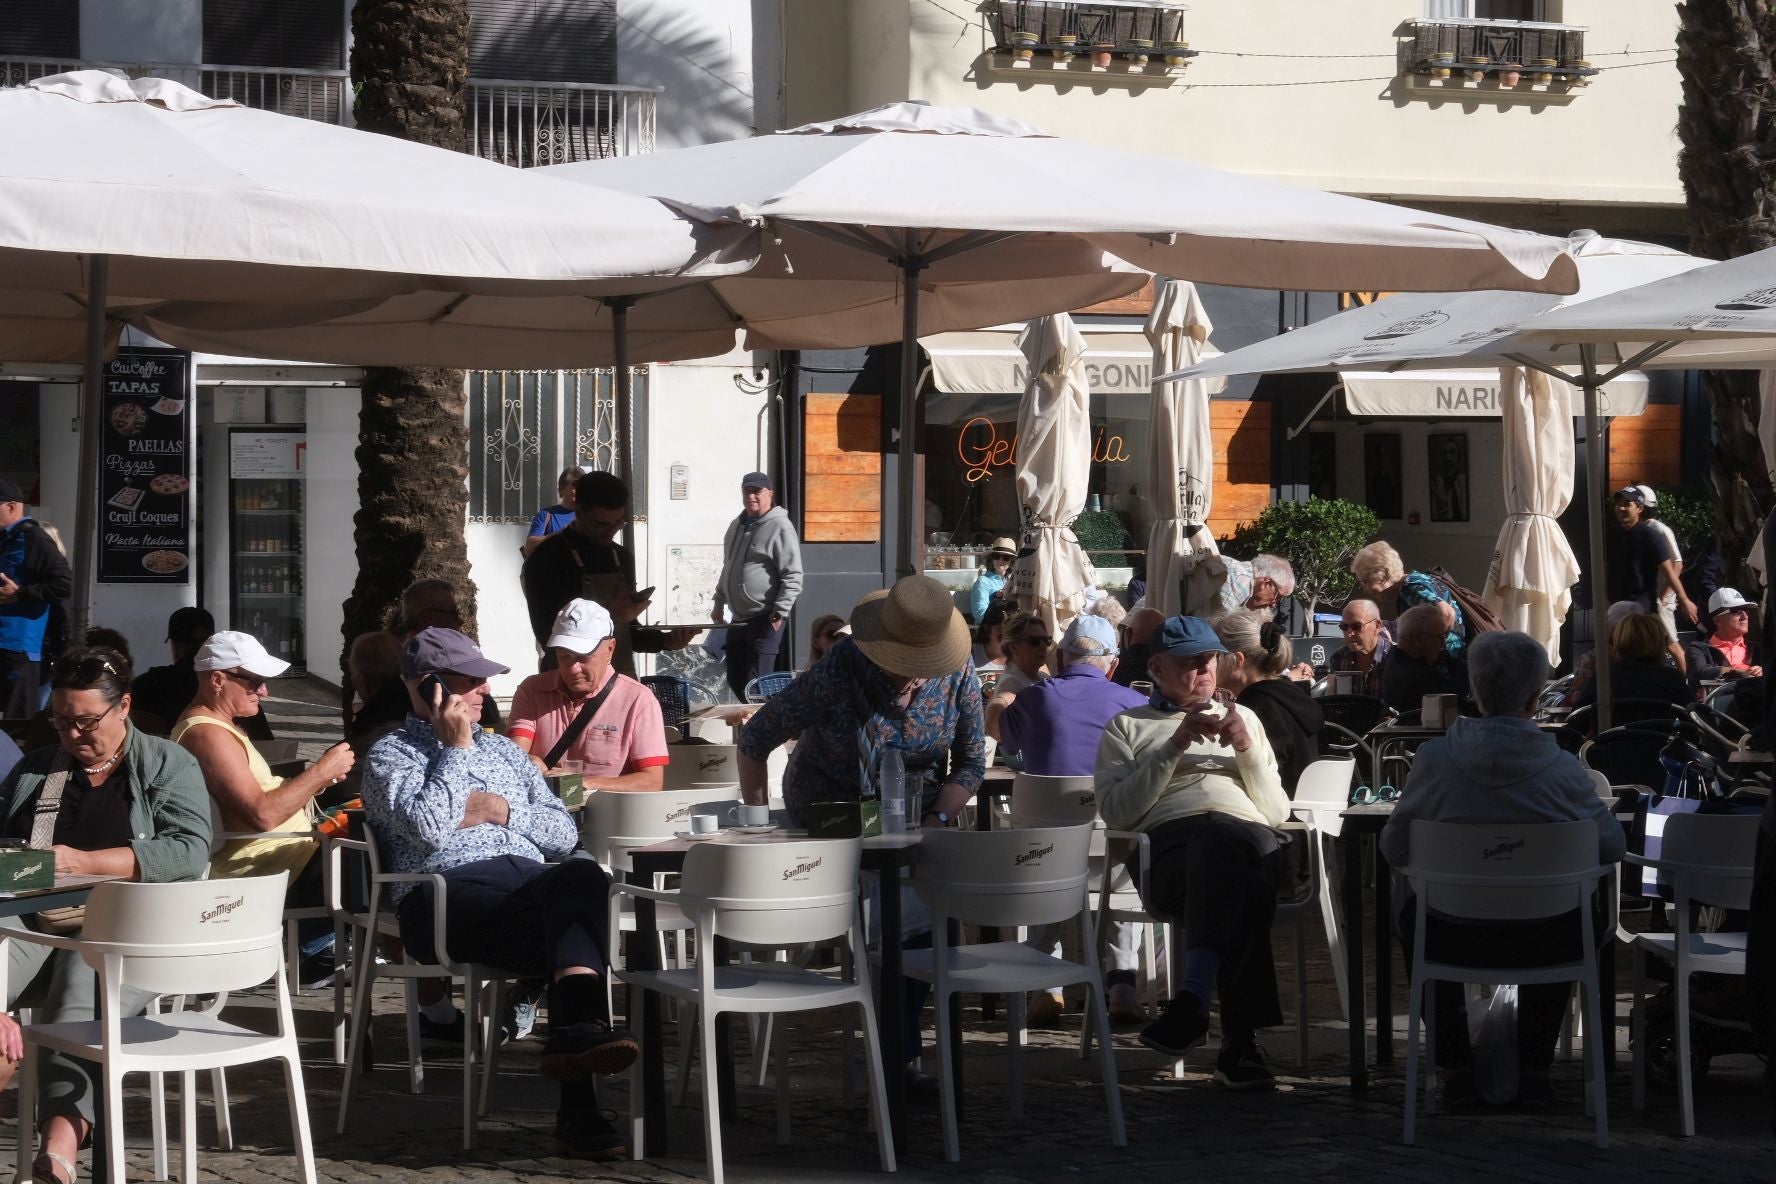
{"points": [[823, 635], [108, 799], [1027, 641]]}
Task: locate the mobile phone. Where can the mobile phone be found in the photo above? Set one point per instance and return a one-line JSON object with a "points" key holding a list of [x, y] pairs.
{"points": [[433, 691]]}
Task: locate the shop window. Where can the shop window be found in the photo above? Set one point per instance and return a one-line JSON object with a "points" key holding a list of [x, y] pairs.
{"points": [[525, 426], [40, 29], [1493, 10], [544, 40], [298, 34]]}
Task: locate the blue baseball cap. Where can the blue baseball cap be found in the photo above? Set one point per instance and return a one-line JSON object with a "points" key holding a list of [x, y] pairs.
{"points": [[1097, 634], [1186, 637]]}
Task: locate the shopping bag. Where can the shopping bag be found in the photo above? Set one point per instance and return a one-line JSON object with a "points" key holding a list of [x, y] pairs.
{"points": [[1492, 1031]]}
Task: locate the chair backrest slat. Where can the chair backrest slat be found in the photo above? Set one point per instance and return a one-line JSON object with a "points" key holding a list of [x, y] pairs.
{"points": [[1006, 877], [616, 823], [1713, 840], [703, 766], [197, 937], [1037, 800], [1500, 852], [775, 893]]}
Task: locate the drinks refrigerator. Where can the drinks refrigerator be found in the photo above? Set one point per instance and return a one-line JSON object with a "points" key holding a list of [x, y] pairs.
{"points": [[266, 544]]}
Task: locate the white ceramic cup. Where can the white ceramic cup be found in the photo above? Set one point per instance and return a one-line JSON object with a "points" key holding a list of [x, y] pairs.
{"points": [[704, 824], [750, 815]]}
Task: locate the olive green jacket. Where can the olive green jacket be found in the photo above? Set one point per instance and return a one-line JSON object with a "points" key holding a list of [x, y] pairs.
{"points": [[169, 806]]}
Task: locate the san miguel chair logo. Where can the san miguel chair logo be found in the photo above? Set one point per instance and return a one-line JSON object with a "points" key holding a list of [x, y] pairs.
{"points": [[711, 762], [1754, 301], [1409, 326], [1503, 849], [679, 815], [802, 870], [1034, 855], [221, 910]]}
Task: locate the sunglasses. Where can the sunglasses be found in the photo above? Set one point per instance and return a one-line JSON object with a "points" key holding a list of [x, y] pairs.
{"points": [[1358, 627], [91, 670], [251, 681], [1364, 795], [1044, 642]]}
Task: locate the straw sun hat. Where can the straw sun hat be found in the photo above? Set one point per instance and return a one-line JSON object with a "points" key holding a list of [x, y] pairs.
{"points": [[1004, 546], [911, 629]]}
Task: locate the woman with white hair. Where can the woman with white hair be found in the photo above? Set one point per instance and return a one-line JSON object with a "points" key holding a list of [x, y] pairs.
{"points": [[1261, 585], [1383, 577]]}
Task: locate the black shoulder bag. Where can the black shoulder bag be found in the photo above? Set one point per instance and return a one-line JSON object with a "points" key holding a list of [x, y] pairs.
{"points": [[578, 727]]}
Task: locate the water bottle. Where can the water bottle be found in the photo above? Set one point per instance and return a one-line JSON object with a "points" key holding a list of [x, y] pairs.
{"points": [[891, 791]]}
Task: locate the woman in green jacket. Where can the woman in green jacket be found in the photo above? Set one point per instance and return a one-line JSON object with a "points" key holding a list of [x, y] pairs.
{"points": [[108, 800]]}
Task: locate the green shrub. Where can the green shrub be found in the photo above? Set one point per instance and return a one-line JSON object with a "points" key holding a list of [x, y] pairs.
{"points": [[1688, 513], [1099, 532]]}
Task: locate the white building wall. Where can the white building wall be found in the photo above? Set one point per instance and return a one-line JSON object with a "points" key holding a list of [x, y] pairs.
{"points": [[330, 500], [701, 53]]}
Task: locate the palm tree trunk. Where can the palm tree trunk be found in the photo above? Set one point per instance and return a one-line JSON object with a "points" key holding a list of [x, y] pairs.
{"points": [[410, 71], [1726, 124]]}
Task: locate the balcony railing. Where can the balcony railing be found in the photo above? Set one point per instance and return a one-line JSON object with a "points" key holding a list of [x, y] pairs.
{"points": [[1539, 53], [515, 123]]}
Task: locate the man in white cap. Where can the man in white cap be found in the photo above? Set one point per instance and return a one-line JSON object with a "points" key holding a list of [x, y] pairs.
{"points": [[232, 669], [1645, 565], [584, 715], [761, 577], [1731, 651]]}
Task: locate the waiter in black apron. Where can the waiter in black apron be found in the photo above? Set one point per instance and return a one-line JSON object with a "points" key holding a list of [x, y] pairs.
{"points": [[585, 561]]}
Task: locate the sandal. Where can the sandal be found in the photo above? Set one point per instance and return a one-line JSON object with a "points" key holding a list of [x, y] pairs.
{"points": [[45, 1167]]}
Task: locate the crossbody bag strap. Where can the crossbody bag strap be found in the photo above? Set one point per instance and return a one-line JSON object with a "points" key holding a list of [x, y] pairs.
{"points": [[580, 722], [49, 802]]}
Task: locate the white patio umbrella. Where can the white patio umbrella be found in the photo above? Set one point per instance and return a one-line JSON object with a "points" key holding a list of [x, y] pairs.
{"points": [[1053, 472], [119, 196], [910, 191], [1181, 549], [1476, 329], [1533, 567]]}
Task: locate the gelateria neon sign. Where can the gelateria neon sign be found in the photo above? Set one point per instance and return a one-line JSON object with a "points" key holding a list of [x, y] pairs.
{"points": [[982, 449]]}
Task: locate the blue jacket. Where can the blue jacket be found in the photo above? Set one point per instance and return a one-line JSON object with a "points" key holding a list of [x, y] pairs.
{"points": [[43, 576]]}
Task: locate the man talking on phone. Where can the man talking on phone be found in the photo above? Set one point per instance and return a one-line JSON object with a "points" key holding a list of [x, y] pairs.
{"points": [[443, 796], [585, 561]]}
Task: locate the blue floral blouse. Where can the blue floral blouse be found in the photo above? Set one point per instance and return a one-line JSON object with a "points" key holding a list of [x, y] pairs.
{"points": [[846, 715], [1420, 588]]}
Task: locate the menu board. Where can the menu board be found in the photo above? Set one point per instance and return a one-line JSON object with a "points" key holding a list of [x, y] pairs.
{"points": [[145, 469]]}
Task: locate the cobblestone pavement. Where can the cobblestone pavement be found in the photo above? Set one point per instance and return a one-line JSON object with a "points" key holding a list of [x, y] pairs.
{"points": [[1312, 1127]]}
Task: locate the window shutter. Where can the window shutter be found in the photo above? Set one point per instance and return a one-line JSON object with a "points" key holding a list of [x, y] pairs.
{"points": [[40, 28], [299, 34], [1448, 10], [543, 40]]}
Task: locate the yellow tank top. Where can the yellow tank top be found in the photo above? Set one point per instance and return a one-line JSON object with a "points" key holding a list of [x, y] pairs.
{"points": [[254, 857]]}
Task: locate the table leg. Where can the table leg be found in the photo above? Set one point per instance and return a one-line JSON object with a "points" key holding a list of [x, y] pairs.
{"points": [[889, 1001], [1384, 960], [1350, 849], [643, 955]]}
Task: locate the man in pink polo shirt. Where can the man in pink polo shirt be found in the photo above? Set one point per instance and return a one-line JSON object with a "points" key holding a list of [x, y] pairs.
{"points": [[585, 716]]}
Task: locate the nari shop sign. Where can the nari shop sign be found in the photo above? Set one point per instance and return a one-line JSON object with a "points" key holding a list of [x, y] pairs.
{"points": [[1452, 394], [983, 446]]}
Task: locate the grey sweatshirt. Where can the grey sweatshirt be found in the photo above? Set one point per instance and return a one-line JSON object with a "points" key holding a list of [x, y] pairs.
{"points": [[1498, 769], [761, 566]]}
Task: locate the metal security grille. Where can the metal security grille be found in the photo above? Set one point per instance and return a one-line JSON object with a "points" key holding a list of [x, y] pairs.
{"points": [[544, 40], [303, 33], [47, 28], [525, 426]]}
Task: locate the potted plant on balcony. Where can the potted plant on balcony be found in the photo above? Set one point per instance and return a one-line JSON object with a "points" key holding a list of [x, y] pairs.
{"points": [[1023, 44], [1140, 50], [1578, 64], [1510, 74], [1175, 55], [1102, 52], [1475, 65], [1543, 68], [1063, 46], [1441, 61]]}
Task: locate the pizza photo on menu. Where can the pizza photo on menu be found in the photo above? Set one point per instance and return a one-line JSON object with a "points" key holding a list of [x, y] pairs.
{"points": [[168, 483], [164, 562], [128, 418]]}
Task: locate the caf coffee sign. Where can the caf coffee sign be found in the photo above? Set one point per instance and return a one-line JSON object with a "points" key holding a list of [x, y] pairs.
{"points": [[145, 469]]}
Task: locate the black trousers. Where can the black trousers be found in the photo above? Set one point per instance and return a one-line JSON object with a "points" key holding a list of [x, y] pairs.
{"points": [[19, 680], [751, 650], [1540, 1006], [516, 915], [1217, 876]]}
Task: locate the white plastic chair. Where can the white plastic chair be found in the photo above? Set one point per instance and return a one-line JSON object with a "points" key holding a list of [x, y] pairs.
{"points": [[1483, 872], [1708, 859], [480, 1018], [1007, 878], [1129, 905], [220, 838], [1321, 796], [767, 894], [204, 937]]}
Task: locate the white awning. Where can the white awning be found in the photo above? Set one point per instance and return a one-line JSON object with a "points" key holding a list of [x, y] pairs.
{"points": [[1455, 394], [1118, 361]]}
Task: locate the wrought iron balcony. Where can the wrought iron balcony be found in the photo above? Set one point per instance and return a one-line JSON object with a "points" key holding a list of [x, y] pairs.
{"points": [[1511, 55], [515, 123], [1132, 36]]}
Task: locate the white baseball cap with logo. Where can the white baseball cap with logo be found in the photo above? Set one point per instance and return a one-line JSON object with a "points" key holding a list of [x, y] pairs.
{"points": [[230, 650], [581, 627], [1727, 598]]}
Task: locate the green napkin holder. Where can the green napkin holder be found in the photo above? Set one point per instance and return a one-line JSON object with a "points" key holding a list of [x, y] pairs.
{"points": [[843, 820], [570, 788], [22, 869]]}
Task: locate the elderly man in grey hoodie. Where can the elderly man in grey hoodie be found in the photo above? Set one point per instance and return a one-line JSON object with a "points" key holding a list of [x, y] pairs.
{"points": [[761, 577], [1501, 768]]}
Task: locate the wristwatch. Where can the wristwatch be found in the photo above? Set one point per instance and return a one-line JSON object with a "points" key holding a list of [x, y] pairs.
{"points": [[942, 818]]}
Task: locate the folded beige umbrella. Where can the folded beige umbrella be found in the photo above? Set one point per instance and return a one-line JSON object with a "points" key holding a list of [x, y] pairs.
{"points": [[1053, 472]]}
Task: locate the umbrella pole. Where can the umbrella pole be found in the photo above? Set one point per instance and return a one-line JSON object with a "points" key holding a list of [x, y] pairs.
{"points": [[619, 307], [906, 563], [1594, 462], [92, 410]]}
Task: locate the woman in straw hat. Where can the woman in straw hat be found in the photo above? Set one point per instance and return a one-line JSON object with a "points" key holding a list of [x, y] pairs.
{"points": [[991, 581]]}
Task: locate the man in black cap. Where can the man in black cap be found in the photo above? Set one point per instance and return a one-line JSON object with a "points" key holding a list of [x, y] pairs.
{"points": [[760, 579], [444, 797], [164, 692], [585, 561], [33, 576]]}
